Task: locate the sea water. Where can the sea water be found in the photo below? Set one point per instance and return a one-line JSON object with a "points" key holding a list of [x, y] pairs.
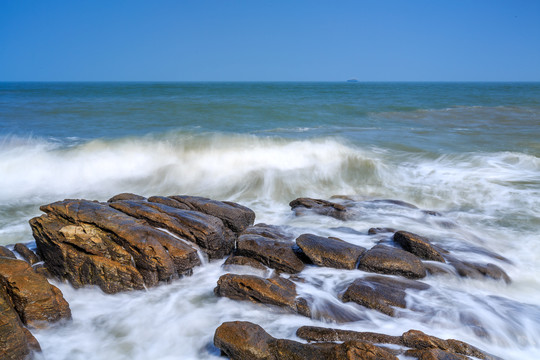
{"points": [[469, 151]]}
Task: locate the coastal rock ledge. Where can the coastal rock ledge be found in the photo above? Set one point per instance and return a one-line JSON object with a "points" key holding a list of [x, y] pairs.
{"points": [[130, 242]]}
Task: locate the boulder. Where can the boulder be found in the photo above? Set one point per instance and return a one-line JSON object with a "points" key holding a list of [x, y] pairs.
{"points": [[5, 252], [380, 230], [272, 253], [479, 271], [314, 333], [35, 300], [88, 242], [274, 291], [417, 245], [243, 261], [381, 293], [242, 340], [126, 196], [434, 354], [322, 207], [330, 252], [388, 260], [26, 253], [207, 231], [233, 215], [16, 342], [269, 231]]}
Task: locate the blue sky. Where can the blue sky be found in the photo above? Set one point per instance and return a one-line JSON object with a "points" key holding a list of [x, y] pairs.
{"points": [[229, 40]]}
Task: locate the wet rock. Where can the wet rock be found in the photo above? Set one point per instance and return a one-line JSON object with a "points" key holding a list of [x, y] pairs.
{"points": [[35, 300], [16, 342], [381, 293], [417, 245], [396, 202], [233, 215], [330, 252], [436, 268], [244, 261], [379, 230], [434, 354], [318, 206], [479, 271], [207, 231], [5, 252], [169, 202], [88, 242], [269, 231], [313, 333], [388, 260], [246, 341], [274, 291], [126, 196], [272, 253], [26, 253]]}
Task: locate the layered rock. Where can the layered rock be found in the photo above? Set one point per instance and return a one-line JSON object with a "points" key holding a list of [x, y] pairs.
{"points": [[273, 291], [319, 206], [418, 245], [35, 300], [330, 252], [381, 293], [26, 253], [243, 261], [388, 260], [5, 252], [16, 342], [242, 340]]}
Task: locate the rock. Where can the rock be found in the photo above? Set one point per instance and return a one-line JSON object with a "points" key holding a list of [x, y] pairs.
{"points": [[15, 341], [379, 230], [207, 231], [419, 340], [321, 207], [126, 196], [274, 291], [434, 354], [417, 245], [388, 260], [396, 202], [169, 202], [269, 231], [88, 242], [35, 300], [5, 252], [330, 252], [244, 261], [272, 253], [313, 333], [233, 215], [26, 253], [479, 271], [381, 293], [246, 341]]}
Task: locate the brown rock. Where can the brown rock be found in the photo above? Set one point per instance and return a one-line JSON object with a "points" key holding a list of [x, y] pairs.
{"points": [[233, 215], [417, 245], [35, 300], [14, 338], [379, 230], [479, 271], [274, 291], [434, 354], [169, 202], [388, 260], [241, 340], [126, 196], [381, 293], [5, 252], [26, 253], [321, 207], [244, 261], [313, 333], [207, 231], [330, 252], [272, 253], [269, 231]]}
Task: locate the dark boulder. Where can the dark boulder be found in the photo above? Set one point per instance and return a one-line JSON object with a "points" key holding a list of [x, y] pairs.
{"points": [[381, 293], [273, 291], [35, 300], [379, 230], [275, 254], [126, 196], [418, 245], [330, 252], [26, 253], [269, 231], [242, 340], [5, 252], [243, 261], [388, 260], [479, 271], [321, 207]]}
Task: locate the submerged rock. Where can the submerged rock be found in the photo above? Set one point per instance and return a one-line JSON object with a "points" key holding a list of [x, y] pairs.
{"points": [[319, 206], [35, 300], [274, 291], [243, 261], [417, 245], [381, 293], [26, 253], [330, 252], [479, 271], [388, 260], [380, 230], [269, 231]]}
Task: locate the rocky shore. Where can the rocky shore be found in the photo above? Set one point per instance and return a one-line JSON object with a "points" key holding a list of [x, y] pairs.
{"points": [[132, 243]]}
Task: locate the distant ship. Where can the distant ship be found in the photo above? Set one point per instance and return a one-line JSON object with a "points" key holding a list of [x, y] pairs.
{"points": [[352, 80]]}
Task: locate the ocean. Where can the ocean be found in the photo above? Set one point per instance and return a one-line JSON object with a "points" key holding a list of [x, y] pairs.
{"points": [[469, 151]]}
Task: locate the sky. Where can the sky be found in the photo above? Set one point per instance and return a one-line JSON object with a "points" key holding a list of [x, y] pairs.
{"points": [[256, 40]]}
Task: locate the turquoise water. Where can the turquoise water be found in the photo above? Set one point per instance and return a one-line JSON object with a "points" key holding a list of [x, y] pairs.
{"points": [[470, 151]]}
